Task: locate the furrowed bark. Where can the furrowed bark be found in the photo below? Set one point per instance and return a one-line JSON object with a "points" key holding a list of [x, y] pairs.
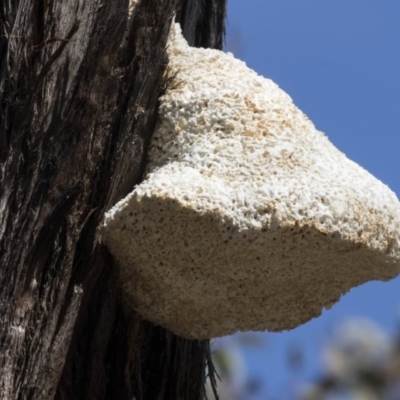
{"points": [[78, 104]]}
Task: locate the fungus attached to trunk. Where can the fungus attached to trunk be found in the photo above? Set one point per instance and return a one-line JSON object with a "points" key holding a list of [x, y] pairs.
{"points": [[248, 217]]}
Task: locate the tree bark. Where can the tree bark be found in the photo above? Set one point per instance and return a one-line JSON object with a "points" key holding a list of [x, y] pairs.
{"points": [[78, 103]]}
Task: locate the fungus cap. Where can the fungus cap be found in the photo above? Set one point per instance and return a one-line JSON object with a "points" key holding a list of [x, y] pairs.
{"points": [[248, 217]]}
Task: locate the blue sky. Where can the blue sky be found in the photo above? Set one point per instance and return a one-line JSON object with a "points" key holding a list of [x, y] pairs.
{"points": [[340, 62]]}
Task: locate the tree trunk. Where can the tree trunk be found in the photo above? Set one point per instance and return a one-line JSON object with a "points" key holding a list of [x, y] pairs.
{"points": [[78, 103]]}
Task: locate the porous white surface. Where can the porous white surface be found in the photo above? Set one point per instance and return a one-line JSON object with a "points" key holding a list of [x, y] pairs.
{"points": [[248, 217]]}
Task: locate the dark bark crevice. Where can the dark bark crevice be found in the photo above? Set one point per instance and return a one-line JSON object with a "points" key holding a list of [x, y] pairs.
{"points": [[77, 109], [203, 22]]}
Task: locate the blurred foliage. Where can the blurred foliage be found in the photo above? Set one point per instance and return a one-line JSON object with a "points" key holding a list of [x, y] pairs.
{"points": [[361, 362], [229, 364]]}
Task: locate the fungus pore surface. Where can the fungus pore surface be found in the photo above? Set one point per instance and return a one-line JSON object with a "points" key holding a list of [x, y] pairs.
{"points": [[248, 217]]}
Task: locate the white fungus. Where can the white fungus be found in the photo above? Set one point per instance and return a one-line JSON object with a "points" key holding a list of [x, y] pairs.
{"points": [[248, 217]]}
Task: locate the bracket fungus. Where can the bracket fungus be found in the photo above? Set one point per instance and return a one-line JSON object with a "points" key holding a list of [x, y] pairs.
{"points": [[248, 217]]}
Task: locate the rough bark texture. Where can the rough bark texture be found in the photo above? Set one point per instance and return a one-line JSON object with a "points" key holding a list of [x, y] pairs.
{"points": [[77, 108]]}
